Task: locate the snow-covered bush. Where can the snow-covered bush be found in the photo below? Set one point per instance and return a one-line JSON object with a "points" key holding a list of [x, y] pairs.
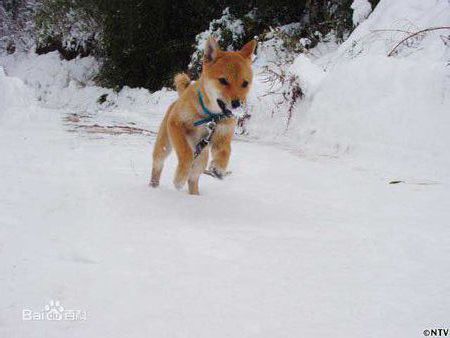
{"points": [[73, 27], [282, 44], [314, 23], [17, 25], [143, 43], [229, 32], [361, 10]]}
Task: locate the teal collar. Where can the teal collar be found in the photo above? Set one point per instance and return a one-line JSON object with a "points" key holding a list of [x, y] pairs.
{"points": [[210, 115], [206, 111]]}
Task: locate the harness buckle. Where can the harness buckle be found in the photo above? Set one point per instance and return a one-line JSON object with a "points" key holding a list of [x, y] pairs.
{"points": [[211, 127]]}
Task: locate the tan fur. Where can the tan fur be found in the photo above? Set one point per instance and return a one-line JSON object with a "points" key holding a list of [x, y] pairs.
{"points": [[177, 129], [181, 81]]}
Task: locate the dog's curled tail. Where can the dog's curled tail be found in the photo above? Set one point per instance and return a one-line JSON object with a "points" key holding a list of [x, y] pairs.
{"points": [[182, 81]]}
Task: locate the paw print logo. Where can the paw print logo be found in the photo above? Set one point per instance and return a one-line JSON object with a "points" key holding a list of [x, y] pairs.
{"points": [[54, 310]]}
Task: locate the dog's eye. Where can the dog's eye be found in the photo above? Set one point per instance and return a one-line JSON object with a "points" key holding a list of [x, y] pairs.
{"points": [[244, 84], [223, 81]]}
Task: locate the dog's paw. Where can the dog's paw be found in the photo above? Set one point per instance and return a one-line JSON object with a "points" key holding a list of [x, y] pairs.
{"points": [[153, 184], [217, 173], [178, 185]]}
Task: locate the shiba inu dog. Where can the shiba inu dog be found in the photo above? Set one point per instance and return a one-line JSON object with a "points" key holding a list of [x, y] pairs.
{"points": [[224, 83]]}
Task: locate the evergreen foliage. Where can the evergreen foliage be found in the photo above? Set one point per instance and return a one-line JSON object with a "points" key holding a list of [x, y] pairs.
{"points": [[16, 25], [146, 42], [73, 27], [142, 43]]}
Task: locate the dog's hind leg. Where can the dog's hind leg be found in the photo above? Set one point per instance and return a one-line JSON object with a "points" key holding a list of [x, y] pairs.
{"points": [[197, 169], [161, 150]]}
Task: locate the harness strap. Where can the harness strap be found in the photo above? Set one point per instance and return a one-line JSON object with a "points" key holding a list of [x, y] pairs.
{"points": [[211, 117], [211, 122], [202, 104], [203, 121], [211, 126]]}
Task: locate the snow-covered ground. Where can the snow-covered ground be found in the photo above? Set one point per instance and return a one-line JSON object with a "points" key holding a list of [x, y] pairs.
{"points": [[285, 246], [306, 238]]}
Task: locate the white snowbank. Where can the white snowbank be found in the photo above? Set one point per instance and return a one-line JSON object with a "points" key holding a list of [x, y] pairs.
{"points": [[406, 15], [15, 96], [391, 112], [310, 75], [13, 92], [385, 109], [61, 84], [49, 70]]}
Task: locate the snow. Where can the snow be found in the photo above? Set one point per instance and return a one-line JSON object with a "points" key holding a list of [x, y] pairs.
{"points": [[13, 93], [226, 23], [306, 237], [361, 10], [283, 243], [389, 113], [69, 86], [407, 15], [310, 75]]}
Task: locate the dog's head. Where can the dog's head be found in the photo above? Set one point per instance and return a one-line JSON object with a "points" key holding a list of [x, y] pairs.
{"points": [[227, 76]]}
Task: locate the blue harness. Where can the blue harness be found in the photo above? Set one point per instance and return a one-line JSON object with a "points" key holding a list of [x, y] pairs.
{"points": [[210, 121], [210, 116]]}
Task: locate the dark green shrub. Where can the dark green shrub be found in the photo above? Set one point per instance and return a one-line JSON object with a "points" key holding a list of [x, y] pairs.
{"points": [[142, 43], [73, 27]]}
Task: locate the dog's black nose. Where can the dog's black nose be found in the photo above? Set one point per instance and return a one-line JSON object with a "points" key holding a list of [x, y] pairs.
{"points": [[235, 103]]}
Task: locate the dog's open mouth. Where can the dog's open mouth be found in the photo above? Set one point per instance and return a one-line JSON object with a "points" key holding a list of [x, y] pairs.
{"points": [[235, 112], [224, 108]]}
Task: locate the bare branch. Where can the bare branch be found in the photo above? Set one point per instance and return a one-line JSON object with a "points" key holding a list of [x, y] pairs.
{"points": [[391, 30], [413, 35]]}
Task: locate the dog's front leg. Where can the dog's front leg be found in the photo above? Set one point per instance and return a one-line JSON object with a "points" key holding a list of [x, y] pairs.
{"points": [[221, 151], [198, 166], [184, 153]]}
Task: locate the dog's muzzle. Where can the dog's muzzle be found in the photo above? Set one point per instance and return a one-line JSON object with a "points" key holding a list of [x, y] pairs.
{"points": [[237, 110]]}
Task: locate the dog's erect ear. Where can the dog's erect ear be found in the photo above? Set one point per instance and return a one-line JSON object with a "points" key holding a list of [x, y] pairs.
{"points": [[211, 50], [248, 50]]}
